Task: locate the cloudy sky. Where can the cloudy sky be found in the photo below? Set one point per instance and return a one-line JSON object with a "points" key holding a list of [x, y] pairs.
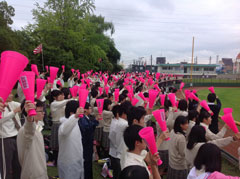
{"points": [[163, 27]]}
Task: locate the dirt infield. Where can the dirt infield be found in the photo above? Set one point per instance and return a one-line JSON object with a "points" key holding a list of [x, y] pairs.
{"points": [[232, 148]]}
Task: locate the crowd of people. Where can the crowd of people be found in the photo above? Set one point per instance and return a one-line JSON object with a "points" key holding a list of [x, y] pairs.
{"points": [[83, 134]]}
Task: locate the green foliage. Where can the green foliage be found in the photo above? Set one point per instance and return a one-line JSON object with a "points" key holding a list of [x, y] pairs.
{"points": [[70, 34]]}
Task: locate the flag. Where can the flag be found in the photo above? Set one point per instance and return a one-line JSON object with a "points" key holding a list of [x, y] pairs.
{"points": [[38, 49]]}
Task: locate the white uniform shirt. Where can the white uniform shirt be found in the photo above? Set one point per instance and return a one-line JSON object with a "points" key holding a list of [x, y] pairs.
{"points": [[7, 124], [112, 138]]}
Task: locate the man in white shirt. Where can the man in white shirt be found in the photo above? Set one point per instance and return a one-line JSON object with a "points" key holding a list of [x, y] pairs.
{"points": [[136, 154], [10, 124], [113, 145]]}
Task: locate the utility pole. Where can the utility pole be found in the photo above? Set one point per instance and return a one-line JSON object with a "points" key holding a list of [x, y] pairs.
{"points": [[210, 60], [192, 58], [151, 64]]}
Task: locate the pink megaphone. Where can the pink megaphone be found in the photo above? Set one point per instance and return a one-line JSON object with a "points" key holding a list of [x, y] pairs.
{"points": [[182, 85], [148, 136], [172, 98], [187, 93], [27, 82], [100, 103], [83, 94], [193, 96], [162, 99], [63, 67], [157, 87], [194, 91], [83, 86], [72, 71], [40, 86], [11, 67], [141, 96], [75, 90], [53, 73], [116, 94], [134, 101], [100, 90], [152, 96], [204, 104], [88, 82], [161, 119], [35, 69], [211, 89], [78, 75], [130, 96], [227, 110], [228, 119], [157, 75], [46, 68], [106, 89]]}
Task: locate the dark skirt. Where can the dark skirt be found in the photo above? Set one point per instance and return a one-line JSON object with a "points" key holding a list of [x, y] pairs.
{"points": [[164, 157], [105, 140], [54, 136], [98, 134], [176, 174]]}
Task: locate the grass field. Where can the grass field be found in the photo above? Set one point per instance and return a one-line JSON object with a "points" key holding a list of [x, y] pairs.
{"points": [[230, 98]]}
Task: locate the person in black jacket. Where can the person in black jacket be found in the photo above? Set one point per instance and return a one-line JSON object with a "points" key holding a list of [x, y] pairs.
{"points": [[215, 108]]}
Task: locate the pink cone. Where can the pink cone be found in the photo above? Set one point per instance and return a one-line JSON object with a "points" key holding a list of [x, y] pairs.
{"points": [[187, 93], [157, 75], [172, 98], [106, 89], [100, 103], [63, 67], [157, 87], [192, 96], [182, 85], [53, 73], [134, 101], [35, 69], [228, 119], [27, 82], [227, 110], [152, 96], [116, 94], [40, 86], [204, 104], [161, 119], [46, 68], [83, 94], [211, 89], [72, 70], [148, 136], [162, 99]]}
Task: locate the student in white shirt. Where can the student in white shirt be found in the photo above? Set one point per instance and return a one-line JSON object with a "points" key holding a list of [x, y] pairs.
{"points": [[136, 154], [9, 127], [70, 157], [205, 120], [113, 145], [31, 145], [57, 108]]}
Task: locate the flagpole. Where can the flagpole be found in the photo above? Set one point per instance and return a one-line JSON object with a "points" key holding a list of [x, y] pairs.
{"points": [[42, 60]]}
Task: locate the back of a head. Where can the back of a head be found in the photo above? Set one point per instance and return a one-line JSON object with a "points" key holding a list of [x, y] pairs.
{"points": [[181, 120], [66, 92], [193, 114], [182, 105], [134, 172], [115, 110], [106, 103], [71, 107], [196, 135], [204, 115], [211, 97], [135, 113], [131, 136], [209, 156]]}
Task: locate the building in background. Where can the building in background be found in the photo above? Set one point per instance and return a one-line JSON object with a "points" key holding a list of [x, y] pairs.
{"points": [[160, 60], [184, 68], [227, 64]]}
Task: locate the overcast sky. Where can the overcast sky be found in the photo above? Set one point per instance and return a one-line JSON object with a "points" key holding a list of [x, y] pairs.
{"points": [[163, 27]]}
